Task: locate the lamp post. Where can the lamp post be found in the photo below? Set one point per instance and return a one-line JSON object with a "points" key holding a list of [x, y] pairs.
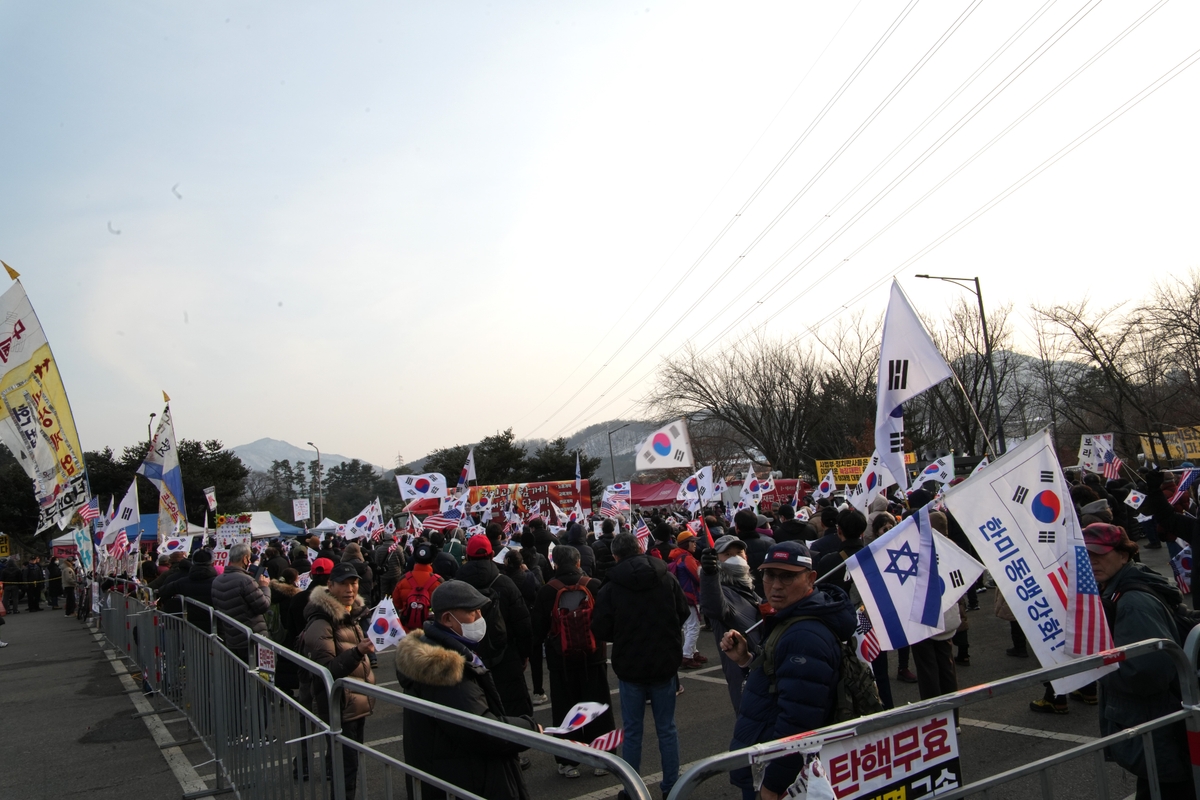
{"points": [[149, 435], [320, 488], [987, 346], [611, 461]]}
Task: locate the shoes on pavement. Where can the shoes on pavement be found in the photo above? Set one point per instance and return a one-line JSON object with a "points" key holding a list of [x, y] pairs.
{"points": [[690, 662], [1155, 546], [1015, 653], [539, 698], [1044, 706], [524, 762], [972, 606], [678, 689], [599, 772], [963, 660], [567, 771], [697, 657], [1090, 699], [906, 676], [3, 644]]}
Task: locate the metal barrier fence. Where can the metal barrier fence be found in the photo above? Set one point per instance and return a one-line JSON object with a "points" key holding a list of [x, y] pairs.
{"points": [[757, 756]]}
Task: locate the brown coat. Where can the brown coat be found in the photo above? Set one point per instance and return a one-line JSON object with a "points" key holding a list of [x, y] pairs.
{"points": [[331, 638]]}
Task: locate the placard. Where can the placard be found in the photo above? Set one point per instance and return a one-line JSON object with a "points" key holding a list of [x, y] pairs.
{"points": [[915, 759]]}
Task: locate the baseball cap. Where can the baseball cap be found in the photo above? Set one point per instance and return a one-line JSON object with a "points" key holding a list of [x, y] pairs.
{"points": [[479, 546], [322, 566], [788, 555], [423, 553], [725, 542], [683, 536], [456, 594], [342, 573], [1101, 537]]}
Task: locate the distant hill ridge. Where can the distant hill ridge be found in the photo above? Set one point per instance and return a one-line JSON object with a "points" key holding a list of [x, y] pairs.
{"points": [[258, 455]]}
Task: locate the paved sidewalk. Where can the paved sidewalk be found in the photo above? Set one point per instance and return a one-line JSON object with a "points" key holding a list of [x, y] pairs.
{"points": [[68, 721]]}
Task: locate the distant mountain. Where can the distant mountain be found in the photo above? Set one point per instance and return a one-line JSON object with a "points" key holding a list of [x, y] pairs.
{"points": [[259, 455]]}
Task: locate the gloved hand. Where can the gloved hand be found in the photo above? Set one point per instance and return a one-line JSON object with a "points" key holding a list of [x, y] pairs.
{"points": [[709, 563], [1154, 481]]}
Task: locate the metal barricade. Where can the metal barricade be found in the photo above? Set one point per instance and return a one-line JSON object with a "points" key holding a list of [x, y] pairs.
{"points": [[368, 757], [1189, 713]]}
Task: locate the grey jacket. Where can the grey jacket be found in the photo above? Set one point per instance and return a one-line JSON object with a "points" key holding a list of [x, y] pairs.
{"points": [[235, 593]]}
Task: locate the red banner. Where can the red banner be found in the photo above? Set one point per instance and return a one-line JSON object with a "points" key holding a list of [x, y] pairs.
{"points": [[525, 495]]}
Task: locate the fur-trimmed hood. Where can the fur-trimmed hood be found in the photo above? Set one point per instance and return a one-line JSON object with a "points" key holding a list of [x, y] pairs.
{"points": [[420, 660], [285, 588], [320, 601]]}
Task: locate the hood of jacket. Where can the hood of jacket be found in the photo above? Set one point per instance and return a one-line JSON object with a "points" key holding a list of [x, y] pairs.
{"points": [[576, 535], [638, 573], [321, 602], [478, 572], [829, 604], [1142, 577], [421, 658], [202, 572], [285, 588]]}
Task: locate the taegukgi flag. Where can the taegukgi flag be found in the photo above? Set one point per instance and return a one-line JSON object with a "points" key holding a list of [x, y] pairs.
{"points": [[697, 488], [126, 516], [1019, 516], [941, 471], [385, 629], [161, 468], [666, 448], [909, 363], [825, 487], [874, 479], [418, 487], [468, 471]]}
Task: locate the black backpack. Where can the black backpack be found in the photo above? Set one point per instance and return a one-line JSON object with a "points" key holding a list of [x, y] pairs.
{"points": [[495, 640], [1184, 616]]}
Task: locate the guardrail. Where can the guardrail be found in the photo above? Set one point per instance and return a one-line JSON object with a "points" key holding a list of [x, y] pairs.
{"points": [[1189, 713]]}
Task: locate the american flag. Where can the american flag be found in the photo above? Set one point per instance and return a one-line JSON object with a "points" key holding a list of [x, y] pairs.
{"points": [[1181, 565], [440, 522], [610, 509], [1091, 627], [866, 643], [1112, 466], [414, 525], [1185, 483], [609, 741], [120, 547], [642, 532], [91, 511]]}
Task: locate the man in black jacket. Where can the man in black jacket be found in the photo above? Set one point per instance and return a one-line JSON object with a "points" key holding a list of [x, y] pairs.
{"points": [[506, 654], [602, 548], [745, 524], [792, 529], [197, 585], [641, 610]]}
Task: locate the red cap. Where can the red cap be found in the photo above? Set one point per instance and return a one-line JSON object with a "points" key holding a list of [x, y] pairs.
{"points": [[322, 566], [479, 546]]}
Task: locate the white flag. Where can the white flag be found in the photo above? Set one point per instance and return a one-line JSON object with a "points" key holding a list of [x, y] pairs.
{"points": [[666, 448], [385, 629], [979, 467], [751, 490], [365, 522], [468, 471], [418, 487], [161, 468], [941, 471], [697, 487], [874, 479], [210, 495], [127, 516], [1135, 499], [909, 363], [1020, 518], [825, 487]]}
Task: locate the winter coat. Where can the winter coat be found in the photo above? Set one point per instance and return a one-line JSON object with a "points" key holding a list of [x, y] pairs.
{"points": [[728, 605], [235, 593], [793, 530], [366, 578], [641, 609], [197, 585], [543, 611], [507, 660], [445, 565], [757, 546], [331, 639], [687, 573], [577, 538], [54, 584], [276, 566], [391, 570], [436, 666], [1145, 687], [808, 663], [535, 560], [602, 549], [69, 580]]}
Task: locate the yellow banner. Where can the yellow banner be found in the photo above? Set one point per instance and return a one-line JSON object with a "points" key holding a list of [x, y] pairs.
{"points": [[37, 425], [1183, 444], [4, 553], [849, 470]]}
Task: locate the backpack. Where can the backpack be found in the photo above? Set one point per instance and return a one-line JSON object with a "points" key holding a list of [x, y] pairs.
{"points": [[571, 619], [686, 580], [416, 607], [855, 694], [1184, 617], [494, 643]]}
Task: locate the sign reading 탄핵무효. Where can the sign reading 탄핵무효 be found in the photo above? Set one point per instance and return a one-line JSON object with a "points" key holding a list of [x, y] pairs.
{"points": [[849, 470]]}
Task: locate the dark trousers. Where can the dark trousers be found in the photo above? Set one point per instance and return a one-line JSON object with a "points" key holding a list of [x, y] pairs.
{"points": [[535, 670], [12, 598], [352, 730], [902, 659], [882, 681], [70, 600], [34, 595], [934, 661]]}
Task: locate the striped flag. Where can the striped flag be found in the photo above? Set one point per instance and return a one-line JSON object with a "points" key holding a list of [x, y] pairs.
{"points": [[1185, 483], [1181, 565], [1111, 466], [439, 522], [642, 532], [90, 511], [120, 547], [866, 643], [609, 741], [1091, 626]]}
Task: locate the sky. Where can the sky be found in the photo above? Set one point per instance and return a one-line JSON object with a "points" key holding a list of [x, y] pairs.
{"points": [[387, 228]]}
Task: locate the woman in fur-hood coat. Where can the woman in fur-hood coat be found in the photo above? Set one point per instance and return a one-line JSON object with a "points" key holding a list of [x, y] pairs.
{"points": [[331, 638], [435, 665]]}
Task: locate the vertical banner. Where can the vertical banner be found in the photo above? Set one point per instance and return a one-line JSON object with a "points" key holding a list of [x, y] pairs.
{"points": [[300, 509], [83, 543], [37, 425]]}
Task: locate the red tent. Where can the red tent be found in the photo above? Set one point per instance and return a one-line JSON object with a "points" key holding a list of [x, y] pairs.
{"points": [[654, 494]]}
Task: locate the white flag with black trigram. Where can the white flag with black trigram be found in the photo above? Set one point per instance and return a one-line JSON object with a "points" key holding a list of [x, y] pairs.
{"points": [[666, 448], [909, 363]]}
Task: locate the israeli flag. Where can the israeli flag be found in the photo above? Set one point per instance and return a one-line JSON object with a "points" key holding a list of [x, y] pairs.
{"points": [[909, 578]]}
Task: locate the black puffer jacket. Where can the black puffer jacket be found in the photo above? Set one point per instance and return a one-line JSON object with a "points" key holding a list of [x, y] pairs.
{"points": [[602, 549], [641, 609], [577, 538], [436, 666], [235, 593], [197, 585], [506, 661]]}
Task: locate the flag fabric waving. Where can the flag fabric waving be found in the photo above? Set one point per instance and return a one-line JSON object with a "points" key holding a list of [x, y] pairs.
{"points": [[909, 363], [696, 489], [1019, 516], [666, 448], [874, 479], [385, 629], [418, 487], [126, 516], [1135, 499], [578, 476], [1091, 634], [826, 487], [1111, 465], [1185, 483], [468, 471], [90, 511], [1181, 566], [941, 471], [365, 522], [642, 532], [161, 468], [979, 467]]}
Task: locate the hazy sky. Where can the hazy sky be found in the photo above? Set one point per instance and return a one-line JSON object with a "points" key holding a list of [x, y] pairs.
{"points": [[402, 226]]}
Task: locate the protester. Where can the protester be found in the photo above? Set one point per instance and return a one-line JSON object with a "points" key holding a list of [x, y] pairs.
{"points": [[577, 538], [562, 616], [533, 556], [69, 584], [35, 577], [438, 663], [641, 609], [334, 639], [683, 565], [390, 560], [275, 563], [791, 687], [510, 639], [602, 548], [444, 564], [196, 585], [413, 595], [529, 582], [12, 576], [791, 529], [240, 596], [1138, 603], [295, 621], [745, 523], [54, 584], [728, 602]]}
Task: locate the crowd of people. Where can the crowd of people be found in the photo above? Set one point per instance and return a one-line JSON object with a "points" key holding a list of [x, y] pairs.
{"points": [[500, 622]]}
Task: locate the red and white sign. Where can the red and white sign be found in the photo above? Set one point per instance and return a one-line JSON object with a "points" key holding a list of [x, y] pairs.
{"points": [[921, 755]]}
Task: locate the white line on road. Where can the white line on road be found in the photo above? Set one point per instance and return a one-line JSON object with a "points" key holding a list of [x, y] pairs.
{"points": [[611, 791], [1017, 729]]}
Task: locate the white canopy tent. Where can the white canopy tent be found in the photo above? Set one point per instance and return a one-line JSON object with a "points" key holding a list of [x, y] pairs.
{"points": [[327, 526]]}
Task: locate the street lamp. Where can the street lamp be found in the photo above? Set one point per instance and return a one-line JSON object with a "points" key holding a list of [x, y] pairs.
{"points": [[320, 488], [611, 462], [987, 346], [150, 436]]}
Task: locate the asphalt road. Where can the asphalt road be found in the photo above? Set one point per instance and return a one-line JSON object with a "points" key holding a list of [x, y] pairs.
{"points": [[72, 729]]}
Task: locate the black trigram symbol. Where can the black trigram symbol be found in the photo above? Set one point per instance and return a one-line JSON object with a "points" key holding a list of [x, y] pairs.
{"points": [[897, 442], [127, 513], [1047, 476], [897, 374], [649, 456], [1046, 537], [1020, 494], [680, 455], [674, 431], [956, 578]]}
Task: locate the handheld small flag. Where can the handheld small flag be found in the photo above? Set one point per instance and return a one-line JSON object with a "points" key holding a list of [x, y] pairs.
{"points": [[385, 629], [1135, 499], [579, 715]]}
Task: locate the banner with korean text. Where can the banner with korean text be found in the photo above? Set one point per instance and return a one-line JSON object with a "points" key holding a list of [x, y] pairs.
{"points": [[914, 759]]}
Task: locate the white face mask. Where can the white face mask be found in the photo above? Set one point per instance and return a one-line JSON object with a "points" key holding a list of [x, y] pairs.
{"points": [[737, 561], [474, 631]]}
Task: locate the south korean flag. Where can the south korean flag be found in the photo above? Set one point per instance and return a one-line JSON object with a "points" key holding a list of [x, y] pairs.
{"points": [[385, 630]]}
